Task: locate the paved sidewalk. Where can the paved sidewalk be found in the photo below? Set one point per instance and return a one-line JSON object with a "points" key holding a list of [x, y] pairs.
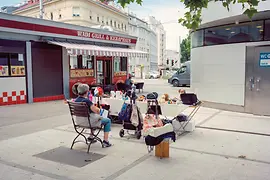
{"points": [[223, 146]]}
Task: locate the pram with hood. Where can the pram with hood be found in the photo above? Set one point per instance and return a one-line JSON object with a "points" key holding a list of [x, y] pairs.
{"points": [[130, 116]]}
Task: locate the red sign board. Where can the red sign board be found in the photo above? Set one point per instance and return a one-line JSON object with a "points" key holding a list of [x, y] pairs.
{"points": [[103, 37], [63, 31]]}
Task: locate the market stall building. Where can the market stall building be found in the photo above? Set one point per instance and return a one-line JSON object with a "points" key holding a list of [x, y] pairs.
{"points": [[40, 60]]}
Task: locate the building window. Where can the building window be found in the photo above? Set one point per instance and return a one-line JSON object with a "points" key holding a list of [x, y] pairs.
{"points": [[114, 23], [60, 16], [122, 26], [120, 64], [76, 11], [97, 18], [267, 30], [125, 27], [111, 23], [90, 15], [247, 32], [12, 65], [51, 16]]}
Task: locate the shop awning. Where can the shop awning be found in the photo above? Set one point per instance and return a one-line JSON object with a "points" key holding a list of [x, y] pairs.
{"points": [[93, 50]]}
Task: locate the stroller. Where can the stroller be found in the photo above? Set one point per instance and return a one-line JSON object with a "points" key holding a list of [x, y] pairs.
{"points": [[127, 113]]}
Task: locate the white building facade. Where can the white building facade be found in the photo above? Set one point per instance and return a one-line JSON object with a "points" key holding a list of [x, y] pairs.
{"points": [[158, 28], [139, 28], [230, 59], [86, 13], [172, 60]]}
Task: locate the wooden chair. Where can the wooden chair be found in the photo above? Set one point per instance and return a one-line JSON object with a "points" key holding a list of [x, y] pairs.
{"points": [[81, 110]]}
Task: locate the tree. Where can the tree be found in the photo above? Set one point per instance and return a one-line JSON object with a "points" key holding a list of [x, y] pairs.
{"points": [[192, 17], [185, 50]]}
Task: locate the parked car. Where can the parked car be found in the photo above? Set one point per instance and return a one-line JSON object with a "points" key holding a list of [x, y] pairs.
{"points": [[182, 76], [154, 75]]}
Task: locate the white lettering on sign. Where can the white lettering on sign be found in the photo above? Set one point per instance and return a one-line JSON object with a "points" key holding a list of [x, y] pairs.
{"points": [[103, 37]]}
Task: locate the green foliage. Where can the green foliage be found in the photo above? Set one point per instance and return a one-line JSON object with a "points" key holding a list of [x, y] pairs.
{"points": [[185, 50], [192, 17]]}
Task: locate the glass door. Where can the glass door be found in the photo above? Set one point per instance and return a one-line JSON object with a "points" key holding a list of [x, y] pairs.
{"points": [[100, 76]]}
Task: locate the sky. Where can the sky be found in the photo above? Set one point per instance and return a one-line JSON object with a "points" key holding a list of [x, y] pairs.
{"points": [[167, 11]]}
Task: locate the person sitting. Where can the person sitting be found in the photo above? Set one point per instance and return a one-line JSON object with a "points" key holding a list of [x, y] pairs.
{"points": [[82, 97]]}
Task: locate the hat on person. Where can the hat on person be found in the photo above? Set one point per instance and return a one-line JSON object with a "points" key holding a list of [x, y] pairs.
{"points": [[82, 89]]}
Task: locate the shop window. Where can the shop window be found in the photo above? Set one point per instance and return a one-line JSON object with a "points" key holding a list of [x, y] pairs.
{"points": [[267, 30], [12, 64], [247, 32], [73, 62], [117, 64], [81, 62], [4, 65], [17, 65], [88, 62], [197, 39], [123, 63], [120, 64]]}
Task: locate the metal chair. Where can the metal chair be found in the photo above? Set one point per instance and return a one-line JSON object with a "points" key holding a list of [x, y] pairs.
{"points": [[81, 110]]}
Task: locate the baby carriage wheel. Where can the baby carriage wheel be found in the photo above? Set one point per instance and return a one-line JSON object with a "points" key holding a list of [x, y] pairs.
{"points": [[122, 133], [138, 134]]}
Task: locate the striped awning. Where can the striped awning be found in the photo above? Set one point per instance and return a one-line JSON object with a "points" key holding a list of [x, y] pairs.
{"points": [[93, 50]]}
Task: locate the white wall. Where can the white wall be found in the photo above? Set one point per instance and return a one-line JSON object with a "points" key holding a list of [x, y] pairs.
{"points": [[218, 73], [216, 11], [13, 84]]}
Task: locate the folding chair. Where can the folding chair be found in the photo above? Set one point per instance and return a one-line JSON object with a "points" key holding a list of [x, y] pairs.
{"points": [[81, 110], [191, 100]]}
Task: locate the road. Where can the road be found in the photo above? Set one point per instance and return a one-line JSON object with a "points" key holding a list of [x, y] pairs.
{"points": [[161, 86]]}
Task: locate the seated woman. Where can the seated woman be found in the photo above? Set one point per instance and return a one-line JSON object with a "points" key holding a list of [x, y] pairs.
{"points": [[82, 97]]}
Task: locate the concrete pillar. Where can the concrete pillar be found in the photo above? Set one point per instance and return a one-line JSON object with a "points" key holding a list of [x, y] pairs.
{"points": [[29, 72], [65, 63]]}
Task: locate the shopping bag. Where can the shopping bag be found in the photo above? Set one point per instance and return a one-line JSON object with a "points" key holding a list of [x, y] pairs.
{"points": [[125, 113], [134, 116]]}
